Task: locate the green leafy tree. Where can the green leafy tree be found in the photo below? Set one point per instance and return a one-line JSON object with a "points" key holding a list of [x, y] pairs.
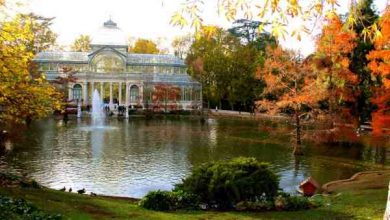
{"points": [[250, 34], [244, 88], [246, 29], [226, 68], [82, 44], [209, 62]]}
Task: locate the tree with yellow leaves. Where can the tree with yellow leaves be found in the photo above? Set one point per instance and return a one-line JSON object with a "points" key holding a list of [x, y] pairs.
{"points": [[144, 46], [24, 93], [82, 43]]}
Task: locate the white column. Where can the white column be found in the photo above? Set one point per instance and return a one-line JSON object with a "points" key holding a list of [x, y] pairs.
{"points": [[85, 93], [92, 89], [141, 95], [101, 91], [192, 95], [120, 93], [70, 93], [201, 98], [111, 101], [127, 94], [127, 100], [182, 93]]}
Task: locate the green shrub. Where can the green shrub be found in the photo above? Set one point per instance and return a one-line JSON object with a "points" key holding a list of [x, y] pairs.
{"points": [[254, 206], [298, 203], [223, 184], [159, 201], [317, 200], [283, 202], [30, 184], [185, 200], [165, 200], [20, 209], [292, 203]]}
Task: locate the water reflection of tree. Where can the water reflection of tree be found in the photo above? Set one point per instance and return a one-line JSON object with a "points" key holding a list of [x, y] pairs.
{"points": [[238, 138], [297, 162]]}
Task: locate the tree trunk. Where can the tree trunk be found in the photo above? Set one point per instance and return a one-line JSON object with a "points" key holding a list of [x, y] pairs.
{"points": [[28, 121], [3, 138], [297, 146]]}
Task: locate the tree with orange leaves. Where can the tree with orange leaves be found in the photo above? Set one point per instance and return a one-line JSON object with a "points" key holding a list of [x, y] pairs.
{"points": [[334, 45], [291, 84], [380, 67]]}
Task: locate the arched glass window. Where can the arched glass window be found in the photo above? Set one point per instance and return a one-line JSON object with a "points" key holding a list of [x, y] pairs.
{"points": [[134, 93], [77, 92], [108, 62], [187, 92]]}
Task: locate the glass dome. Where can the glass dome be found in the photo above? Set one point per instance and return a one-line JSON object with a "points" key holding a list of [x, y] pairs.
{"points": [[109, 34]]}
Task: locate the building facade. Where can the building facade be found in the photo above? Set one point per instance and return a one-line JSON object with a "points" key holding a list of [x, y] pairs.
{"points": [[123, 78]]}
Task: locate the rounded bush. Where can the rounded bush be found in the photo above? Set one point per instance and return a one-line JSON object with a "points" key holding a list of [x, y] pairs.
{"points": [[185, 200], [254, 206], [292, 203], [166, 200], [223, 184], [158, 200]]}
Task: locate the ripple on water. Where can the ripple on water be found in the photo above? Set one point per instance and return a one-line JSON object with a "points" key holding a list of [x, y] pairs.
{"points": [[97, 127], [130, 158]]}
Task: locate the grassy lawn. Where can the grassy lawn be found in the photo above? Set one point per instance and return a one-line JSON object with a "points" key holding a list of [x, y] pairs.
{"points": [[357, 204]]}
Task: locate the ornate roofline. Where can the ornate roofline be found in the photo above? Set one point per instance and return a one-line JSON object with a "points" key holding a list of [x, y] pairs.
{"points": [[110, 23], [107, 48]]}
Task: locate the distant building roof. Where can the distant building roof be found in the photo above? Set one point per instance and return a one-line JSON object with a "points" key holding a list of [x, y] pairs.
{"points": [[60, 56], [109, 34], [132, 58]]}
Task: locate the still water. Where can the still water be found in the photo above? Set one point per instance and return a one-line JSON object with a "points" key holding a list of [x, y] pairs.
{"points": [[130, 158]]}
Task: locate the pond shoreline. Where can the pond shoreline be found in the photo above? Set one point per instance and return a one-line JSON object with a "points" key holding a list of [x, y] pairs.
{"points": [[353, 183], [360, 180], [377, 179]]}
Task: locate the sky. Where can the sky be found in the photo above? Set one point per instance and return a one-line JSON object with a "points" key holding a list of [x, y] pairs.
{"points": [[139, 18]]}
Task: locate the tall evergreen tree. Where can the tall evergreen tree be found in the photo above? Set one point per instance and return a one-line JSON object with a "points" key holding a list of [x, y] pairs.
{"points": [[364, 16]]}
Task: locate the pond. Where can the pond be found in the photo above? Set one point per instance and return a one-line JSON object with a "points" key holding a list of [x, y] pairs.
{"points": [[130, 158]]}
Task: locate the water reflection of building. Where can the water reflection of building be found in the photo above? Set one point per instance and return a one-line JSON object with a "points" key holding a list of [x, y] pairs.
{"points": [[121, 77]]}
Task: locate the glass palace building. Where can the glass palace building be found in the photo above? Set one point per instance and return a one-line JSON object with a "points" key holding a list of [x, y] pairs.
{"points": [[123, 78]]}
